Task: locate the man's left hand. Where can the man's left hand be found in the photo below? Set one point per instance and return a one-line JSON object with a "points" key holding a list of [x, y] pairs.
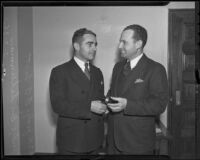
{"points": [[117, 107]]}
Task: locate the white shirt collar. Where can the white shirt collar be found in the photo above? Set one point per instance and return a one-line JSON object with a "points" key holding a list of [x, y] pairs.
{"points": [[80, 63], [134, 61]]}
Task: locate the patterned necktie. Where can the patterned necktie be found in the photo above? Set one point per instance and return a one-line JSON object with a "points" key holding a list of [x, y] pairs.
{"points": [[87, 71], [127, 68]]}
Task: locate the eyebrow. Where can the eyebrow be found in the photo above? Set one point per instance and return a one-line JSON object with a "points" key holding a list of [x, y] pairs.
{"points": [[91, 42]]}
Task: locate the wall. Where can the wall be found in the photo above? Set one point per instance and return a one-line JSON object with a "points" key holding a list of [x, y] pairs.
{"points": [[26, 84], [10, 83], [18, 106], [52, 31]]}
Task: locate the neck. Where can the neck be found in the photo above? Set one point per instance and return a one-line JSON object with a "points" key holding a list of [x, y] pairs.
{"points": [[81, 58], [139, 52]]}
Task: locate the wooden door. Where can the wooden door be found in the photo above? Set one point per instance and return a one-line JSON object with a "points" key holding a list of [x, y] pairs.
{"points": [[181, 112]]}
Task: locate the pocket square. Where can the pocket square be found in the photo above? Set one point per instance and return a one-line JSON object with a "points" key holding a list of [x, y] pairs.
{"points": [[139, 80]]}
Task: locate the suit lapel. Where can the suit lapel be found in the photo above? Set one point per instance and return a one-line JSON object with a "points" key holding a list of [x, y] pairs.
{"points": [[92, 80], [77, 75], [116, 78], [136, 72]]}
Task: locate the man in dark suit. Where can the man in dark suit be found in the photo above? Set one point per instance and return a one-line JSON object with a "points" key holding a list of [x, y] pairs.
{"points": [[140, 87], [76, 88]]}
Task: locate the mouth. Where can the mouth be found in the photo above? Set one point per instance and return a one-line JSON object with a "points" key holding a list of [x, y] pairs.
{"points": [[122, 52], [93, 53]]}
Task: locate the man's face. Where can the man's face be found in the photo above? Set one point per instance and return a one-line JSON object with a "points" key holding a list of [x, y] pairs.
{"points": [[128, 46], [87, 47]]}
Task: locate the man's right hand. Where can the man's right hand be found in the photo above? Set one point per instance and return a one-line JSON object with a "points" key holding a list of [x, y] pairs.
{"points": [[98, 107]]}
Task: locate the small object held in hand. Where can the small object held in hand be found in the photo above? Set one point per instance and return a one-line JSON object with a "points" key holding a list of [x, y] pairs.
{"points": [[110, 100], [103, 100]]}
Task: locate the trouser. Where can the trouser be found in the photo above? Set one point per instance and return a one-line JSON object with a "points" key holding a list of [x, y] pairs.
{"points": [[62, 151], [113, 150]]}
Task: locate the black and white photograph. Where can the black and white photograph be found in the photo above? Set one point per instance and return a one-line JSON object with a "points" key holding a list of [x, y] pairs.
{"points": [[100, 79]]}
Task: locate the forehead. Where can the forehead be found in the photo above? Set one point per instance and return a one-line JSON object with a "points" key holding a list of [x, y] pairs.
{"points": [[89, 38], [127, 34]]}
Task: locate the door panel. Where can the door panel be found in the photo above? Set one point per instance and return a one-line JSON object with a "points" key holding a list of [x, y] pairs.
{"points": [[181, 113]]}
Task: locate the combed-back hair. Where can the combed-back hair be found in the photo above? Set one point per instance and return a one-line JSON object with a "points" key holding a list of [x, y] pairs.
{"points": [[140, 33], [78, 34]]}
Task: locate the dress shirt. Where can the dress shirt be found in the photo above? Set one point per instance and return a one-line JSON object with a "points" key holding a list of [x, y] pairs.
{"points": [[134, 61], [81, 63]]}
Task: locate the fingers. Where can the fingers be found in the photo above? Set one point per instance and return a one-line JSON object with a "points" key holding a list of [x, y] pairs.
{"points": [[113, 104], [98, 107], [115, 109], [107, 111], [116, 98]]}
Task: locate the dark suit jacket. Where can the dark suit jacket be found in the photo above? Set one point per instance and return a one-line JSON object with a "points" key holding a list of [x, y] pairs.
{"points": [[71, 93], [146, 90]]}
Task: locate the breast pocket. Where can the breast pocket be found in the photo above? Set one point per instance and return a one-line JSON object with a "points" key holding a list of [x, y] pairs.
{"points": [[138, 90]]}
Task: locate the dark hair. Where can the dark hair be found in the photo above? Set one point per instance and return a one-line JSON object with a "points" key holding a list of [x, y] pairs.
{"points": [[140, 33], [78, 34]]}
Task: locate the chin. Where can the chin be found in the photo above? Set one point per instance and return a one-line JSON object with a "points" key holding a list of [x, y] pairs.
{"points": [[91, 58], [123, 55]]}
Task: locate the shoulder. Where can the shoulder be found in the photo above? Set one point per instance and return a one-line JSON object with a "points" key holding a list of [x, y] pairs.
{"points": [[62, 67], [155, 66], [95, 68], [96, 71], [119, 64]]}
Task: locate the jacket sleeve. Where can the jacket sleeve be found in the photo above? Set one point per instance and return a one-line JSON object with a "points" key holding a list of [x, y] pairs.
{"points": [[59, 101], [157, 100]]}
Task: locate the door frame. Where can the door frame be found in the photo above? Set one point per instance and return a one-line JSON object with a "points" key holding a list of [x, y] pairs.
{"points": [[197, 86]]}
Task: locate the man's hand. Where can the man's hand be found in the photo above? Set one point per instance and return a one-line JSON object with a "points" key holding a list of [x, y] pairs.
{"points": [[98, 107], [117, 107]]}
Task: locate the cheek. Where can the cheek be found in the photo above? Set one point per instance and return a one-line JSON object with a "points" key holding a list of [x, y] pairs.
{"points": [[85, 51], [128, 47], [131, 48], [84, 54]]}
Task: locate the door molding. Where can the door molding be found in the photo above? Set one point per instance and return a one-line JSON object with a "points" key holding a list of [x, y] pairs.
{"points": [[176, 17]]}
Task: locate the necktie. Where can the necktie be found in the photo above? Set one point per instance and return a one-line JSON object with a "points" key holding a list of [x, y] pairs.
{"points": [[87, 72], [127, 68]]}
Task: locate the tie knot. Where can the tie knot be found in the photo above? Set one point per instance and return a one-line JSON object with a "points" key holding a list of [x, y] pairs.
{"points": [[127, 65], [87, 66], [127, 68]]}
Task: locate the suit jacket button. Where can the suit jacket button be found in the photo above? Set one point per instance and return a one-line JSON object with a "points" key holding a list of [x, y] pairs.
{"points": [[85, 121]]}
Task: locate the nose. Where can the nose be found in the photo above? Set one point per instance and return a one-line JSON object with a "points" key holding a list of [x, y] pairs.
{"points": [[94, 47]]}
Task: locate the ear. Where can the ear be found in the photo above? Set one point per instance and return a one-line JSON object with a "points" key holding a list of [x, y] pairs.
{"points": [[76, 46], [139, 44]]}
